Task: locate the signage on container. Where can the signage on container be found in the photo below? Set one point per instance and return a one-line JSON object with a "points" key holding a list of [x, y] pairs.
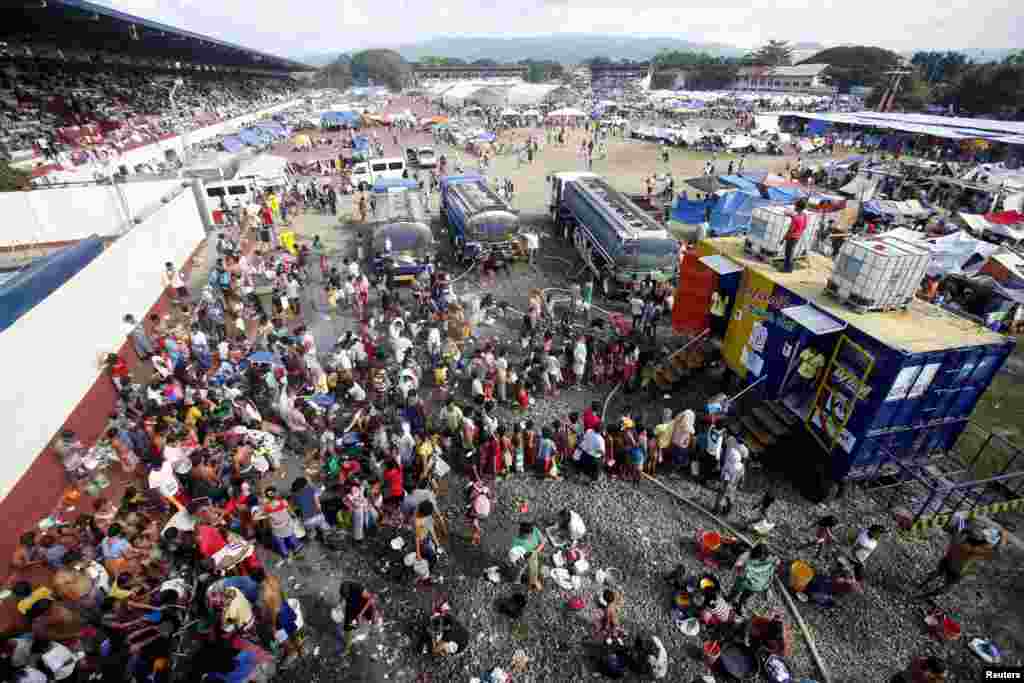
{"points": [[841, 377]]}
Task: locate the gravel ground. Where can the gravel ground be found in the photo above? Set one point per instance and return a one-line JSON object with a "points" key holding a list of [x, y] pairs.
{"points": [[642, 531]]}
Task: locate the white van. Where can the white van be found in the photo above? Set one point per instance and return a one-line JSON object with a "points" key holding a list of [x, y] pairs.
{"points": [[386, 167]]}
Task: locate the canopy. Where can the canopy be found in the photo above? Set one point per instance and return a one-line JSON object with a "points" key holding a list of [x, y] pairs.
{"points": [[339, 118], [232, 143], [266, 166], [567, 111]]}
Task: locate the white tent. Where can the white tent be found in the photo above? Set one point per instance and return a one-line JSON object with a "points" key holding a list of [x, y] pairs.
{"points": [[266, 167], [568, 112]]}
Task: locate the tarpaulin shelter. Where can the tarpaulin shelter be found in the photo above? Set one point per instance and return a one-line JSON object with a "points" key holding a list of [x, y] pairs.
{"points": [[691, 212], [486, 137], [251, 136], [787, 195], [232, 143], [732, 213], [742, 184], [361, 143], [339, 118], [32, 284], [951, 254]]}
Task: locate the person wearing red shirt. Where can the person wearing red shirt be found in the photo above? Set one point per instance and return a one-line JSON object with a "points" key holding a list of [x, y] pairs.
{"points": [[590, 417], [118, 369], [797, 225]]}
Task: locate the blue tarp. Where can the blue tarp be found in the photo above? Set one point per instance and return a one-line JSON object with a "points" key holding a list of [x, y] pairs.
{"points": [[817, 127], [787, 195], [384, 184], [274, 128], [232, 143], [250, 137], [686, 211], [742, 184], [732, 213], [361, 143], [40, 279], [486, 137], [339, 118]]}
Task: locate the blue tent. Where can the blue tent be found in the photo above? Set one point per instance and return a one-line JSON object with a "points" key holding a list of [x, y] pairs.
{"points": [[43, 277], [385, 184], [741, 183], [232, 143], [250, 137], [817, 127], [273, 128], [339, 118], [691, 212], [787, 195], [731, 214]]}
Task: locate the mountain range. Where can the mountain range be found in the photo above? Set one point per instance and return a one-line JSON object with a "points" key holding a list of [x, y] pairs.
{"points": [[573, 48]]}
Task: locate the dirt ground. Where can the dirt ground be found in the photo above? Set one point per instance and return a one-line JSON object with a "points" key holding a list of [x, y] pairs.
{"points": [[868, 640]]}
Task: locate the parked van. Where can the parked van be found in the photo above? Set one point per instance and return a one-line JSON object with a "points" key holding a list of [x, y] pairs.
{"points": [[387, 167]]}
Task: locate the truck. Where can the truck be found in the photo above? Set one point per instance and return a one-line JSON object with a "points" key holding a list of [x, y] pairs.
{"points": [[619, 242], [402, 243], [476, 219]]}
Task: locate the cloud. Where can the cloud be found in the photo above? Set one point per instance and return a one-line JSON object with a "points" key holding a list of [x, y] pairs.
{"points": [[352, 24]]}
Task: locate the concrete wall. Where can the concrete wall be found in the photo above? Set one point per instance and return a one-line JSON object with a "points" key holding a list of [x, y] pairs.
{"points": [[71, 213], [51, 353]]}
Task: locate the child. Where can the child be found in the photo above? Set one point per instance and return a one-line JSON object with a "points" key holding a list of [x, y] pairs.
{"points": [[281, 525], [546, 451], [479, 508], [519, 447], [823, 535], [522, 398]]}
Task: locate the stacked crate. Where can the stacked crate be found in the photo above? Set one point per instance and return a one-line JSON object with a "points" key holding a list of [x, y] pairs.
{"points": [[767, 233], [878, 274]]}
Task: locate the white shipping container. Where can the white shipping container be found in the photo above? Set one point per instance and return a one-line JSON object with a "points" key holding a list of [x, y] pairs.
{"points": [[878, 273]]}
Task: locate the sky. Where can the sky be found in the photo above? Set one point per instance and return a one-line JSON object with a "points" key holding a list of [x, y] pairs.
{"points": [[296, 29]]}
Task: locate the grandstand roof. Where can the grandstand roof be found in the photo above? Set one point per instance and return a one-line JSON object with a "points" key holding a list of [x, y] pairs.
{"points": [[82, 25]]}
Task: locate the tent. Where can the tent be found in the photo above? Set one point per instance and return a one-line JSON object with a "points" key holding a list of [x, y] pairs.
{"points": [[339, 118], [691, 212], [263, 167], [233, 144], [567, 112], [732, 213], [31, 285]]}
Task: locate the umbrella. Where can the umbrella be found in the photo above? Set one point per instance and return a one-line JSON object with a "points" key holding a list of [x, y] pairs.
{"points": [[263, 357]]}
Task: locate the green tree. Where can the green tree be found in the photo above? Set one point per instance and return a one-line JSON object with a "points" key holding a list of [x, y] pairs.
{"points": [[484, 62], [704, 71], [13, 179], [774, 53], [939, 67], [441, 61], [1015, 58], [380, 66], [598, 61], [857, 65], [989, 89], [543, 70]]}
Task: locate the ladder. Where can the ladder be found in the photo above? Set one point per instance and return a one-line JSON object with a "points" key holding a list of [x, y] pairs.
{"points": [[843, 384]]}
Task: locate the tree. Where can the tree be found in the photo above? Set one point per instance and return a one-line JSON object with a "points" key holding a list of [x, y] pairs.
{"points": [[380, 66], [988, 89], [484, 62], [857, 65], [775, 53], [441, 61], [14, 179], [940, 67], [543, 70], [704, 71], [598, 61], [1015, 58]]}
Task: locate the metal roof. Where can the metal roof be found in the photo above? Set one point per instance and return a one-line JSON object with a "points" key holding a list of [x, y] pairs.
{"points": [[79, 24]]}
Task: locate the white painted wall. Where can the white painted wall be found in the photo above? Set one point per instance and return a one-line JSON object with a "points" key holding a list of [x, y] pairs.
{"points": [[50, 353], [72, 213]]}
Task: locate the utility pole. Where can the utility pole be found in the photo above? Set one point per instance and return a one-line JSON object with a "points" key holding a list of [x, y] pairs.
{"points": [[895, 80]]}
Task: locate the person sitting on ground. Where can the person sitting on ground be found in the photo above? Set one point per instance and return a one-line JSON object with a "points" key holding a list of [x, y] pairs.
{"points": [[771, 633]]}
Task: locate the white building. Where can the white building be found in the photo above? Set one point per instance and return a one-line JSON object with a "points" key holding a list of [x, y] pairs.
{"points": [[800, 78]]}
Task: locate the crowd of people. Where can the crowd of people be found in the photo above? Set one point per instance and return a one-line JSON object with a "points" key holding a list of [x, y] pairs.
{"points": [[61, 110]]}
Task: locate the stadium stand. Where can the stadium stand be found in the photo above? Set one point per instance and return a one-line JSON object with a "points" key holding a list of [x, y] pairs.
{"points": [[79, 79]]}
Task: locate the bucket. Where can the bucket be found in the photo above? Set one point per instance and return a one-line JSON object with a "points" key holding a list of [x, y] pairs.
{"points": [[710, 542], [800, 575], [712, 651]]}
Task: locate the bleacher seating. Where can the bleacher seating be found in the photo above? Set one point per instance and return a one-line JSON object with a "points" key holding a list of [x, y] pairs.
{"points": [[63, 110]]}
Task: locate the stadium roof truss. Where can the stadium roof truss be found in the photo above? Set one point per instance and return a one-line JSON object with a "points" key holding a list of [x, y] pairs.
{"points": [[81, 25]]}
